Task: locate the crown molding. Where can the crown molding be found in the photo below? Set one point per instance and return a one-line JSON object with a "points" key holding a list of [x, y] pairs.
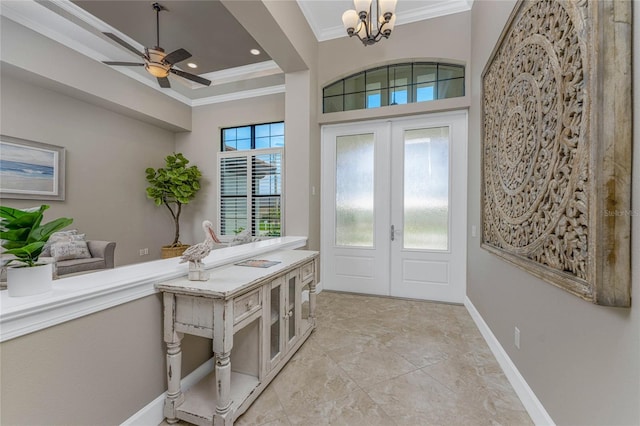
{"points": [[332, 33], [245, 72], [308, 14], [66, 23], [44, 21], [433, 11], [254, 93]]}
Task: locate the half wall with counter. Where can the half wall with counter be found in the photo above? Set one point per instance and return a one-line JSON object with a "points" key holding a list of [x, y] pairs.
{"points": [[92, 350]]}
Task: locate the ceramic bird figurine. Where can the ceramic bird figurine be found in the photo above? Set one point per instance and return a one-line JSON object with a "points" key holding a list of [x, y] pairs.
{"points": [[196, 253]]}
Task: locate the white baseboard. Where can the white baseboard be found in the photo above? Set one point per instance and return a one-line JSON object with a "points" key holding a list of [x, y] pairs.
{"points": [[152, 414], [531, 403]]}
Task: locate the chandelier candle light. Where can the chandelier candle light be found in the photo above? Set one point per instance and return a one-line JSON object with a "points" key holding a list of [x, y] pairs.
{"points": [[363, 23]]}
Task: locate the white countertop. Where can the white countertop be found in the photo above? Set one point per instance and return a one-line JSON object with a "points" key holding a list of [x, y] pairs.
{"points": [[230, 280], [80, 295]]}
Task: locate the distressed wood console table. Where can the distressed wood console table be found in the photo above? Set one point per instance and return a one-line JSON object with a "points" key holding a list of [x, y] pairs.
{"points": [[258, 317]]}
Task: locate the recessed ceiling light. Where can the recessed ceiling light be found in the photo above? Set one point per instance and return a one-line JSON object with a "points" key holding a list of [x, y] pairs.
{"points": [[255, 52], [192, 65]]}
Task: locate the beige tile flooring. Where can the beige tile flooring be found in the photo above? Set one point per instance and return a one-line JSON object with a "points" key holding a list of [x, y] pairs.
{"points": [[383, 361]]}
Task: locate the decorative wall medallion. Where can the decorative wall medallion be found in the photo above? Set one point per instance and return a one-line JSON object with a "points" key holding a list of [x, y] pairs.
{"points": [[556, 191]]}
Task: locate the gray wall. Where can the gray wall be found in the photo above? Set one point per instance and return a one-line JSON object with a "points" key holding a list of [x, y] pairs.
{"points": [[418, 41], [97, 370], [104, 367], [88, 79], [202, 144], [106, 155], [581, 360], [442, 38]]}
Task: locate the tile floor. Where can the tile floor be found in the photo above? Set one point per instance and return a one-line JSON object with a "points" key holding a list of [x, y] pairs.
{"points": [[382, 361]]}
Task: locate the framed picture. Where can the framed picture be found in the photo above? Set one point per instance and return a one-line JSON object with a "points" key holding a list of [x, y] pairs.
{"points": [[31, 170]]}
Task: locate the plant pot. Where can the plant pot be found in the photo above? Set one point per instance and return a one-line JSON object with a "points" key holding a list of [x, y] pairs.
{"points": [[173, 251], [29, 281]]}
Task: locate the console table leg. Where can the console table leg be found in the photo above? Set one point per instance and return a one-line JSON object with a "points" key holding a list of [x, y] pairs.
{"points": [[174, 373], [223, 387], [312, 302]]}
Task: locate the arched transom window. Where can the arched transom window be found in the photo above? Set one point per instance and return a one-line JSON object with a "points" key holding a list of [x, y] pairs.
{"points": [[394, 84]]}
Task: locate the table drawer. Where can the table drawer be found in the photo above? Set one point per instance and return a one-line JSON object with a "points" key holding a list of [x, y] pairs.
{"points": [[246, 305], [307, 271]]}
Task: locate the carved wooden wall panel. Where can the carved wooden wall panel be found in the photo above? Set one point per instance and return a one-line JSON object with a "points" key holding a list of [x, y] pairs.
{"points": [[557, 146]]}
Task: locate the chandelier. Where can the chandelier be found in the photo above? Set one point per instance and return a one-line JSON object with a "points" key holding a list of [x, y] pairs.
{"points": [[367, 26]]}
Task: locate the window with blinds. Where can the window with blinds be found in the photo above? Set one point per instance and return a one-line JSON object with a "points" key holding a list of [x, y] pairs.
{"points": [[251, 184]]}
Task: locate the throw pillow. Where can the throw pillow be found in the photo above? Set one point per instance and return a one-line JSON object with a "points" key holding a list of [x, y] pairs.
{"points": [[243, 237], [67, 250], [69, 235]]}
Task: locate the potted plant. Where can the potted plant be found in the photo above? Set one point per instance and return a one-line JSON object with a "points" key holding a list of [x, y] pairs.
{"points": [[23, 237], [173, 186]]}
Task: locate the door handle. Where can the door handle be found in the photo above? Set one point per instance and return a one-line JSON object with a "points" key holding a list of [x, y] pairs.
{"points": [[393, 232]]}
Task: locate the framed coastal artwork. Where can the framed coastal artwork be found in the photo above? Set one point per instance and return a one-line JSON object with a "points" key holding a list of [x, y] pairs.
{"points": [[31, 170]]}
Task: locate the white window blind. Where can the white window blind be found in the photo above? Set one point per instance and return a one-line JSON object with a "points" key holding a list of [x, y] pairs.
{"points": [[251, 191]]}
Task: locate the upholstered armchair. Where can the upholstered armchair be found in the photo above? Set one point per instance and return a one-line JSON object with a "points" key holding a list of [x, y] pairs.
{"points": [[102, 257]]}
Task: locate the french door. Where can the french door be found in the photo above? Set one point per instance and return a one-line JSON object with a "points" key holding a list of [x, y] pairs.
{"points": [[394, 207]]}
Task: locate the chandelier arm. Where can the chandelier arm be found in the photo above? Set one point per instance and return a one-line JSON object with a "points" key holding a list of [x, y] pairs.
{"points": [[370, 21], [381, 30]]}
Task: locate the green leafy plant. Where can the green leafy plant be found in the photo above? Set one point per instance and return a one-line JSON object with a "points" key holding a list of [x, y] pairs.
{"points": [[174, 186], [23, 235]]}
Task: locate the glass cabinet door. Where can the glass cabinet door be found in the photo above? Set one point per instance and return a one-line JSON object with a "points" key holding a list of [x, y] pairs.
{"points": [[291, 311], [305, 307], [276, 325]]}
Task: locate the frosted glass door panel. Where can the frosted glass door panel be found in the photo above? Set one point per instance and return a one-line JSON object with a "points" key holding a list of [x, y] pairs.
{"points": [[355, 207], [426, 189], [354, 190]]}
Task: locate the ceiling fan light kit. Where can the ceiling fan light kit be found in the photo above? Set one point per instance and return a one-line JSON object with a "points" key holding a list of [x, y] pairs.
{"points": [[158, 63], [370, 28]]}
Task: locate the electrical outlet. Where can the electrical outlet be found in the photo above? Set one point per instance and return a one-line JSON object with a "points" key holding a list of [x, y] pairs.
{"points": [[516, 337], [144, 252]]}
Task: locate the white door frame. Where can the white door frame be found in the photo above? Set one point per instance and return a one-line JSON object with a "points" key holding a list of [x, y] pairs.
{"points": [[381, 261]]}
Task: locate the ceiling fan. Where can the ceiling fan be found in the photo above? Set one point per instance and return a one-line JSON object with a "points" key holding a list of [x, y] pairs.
{"points": [[156, 62]]}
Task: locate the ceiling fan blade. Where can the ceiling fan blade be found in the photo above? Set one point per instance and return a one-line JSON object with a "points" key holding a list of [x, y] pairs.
{"points": [[191, 77], [177, 56], [124, 44], [131, 64], [164, 82]]}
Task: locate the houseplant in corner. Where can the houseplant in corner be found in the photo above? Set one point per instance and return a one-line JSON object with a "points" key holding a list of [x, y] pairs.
{"points": [[173, 186], [23, 237]]}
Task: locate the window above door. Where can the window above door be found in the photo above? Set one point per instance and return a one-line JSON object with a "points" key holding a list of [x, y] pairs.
{"points": [[394, 85]]}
